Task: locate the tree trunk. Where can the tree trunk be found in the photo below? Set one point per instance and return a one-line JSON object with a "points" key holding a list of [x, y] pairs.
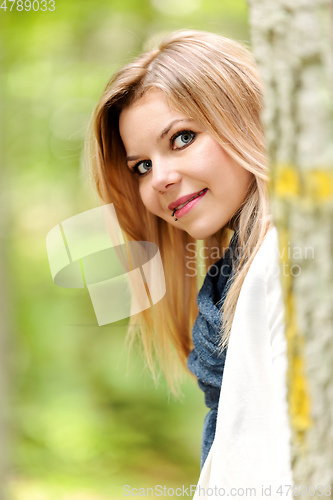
{"points": [[292, 43]]}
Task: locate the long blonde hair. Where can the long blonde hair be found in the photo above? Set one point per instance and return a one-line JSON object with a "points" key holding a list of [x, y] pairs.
{"points": [[213, 80]]}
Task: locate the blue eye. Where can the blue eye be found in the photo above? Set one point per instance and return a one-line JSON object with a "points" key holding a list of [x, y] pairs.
{"points": [[142, 167], [182, 138]]}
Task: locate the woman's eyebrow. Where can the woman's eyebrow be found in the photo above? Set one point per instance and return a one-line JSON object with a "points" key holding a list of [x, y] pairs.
{"points": [[132, 158], [162, 135], [167, 129]]}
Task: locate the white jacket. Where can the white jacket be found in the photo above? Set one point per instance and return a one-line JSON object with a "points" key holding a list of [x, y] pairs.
{"points": [[251, 448]]}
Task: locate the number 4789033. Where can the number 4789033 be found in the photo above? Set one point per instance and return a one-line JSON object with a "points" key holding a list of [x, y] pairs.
{"points": [[35, 5]]}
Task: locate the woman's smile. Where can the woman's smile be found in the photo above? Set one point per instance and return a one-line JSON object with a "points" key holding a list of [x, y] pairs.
{"points": [[182, 170], [184, 207]]}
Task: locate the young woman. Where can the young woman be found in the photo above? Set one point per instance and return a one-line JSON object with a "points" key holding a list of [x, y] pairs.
{"points": [[178, 148]]}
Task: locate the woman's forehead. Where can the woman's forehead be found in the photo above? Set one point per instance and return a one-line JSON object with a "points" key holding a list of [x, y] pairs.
{"points": [[151, 97], [153, 107]]}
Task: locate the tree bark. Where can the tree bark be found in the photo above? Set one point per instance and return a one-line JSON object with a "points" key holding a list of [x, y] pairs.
{"points": [[293, 45]]}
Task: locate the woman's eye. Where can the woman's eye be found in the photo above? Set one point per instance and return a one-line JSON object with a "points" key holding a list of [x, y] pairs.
{"points": [[182, 139], [143, 167]]}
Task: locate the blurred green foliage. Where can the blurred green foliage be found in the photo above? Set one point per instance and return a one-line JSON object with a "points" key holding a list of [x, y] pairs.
{"points": [[82, 423]]}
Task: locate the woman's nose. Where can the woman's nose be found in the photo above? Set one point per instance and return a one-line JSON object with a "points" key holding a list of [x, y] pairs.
{"points": [[164, 174]]}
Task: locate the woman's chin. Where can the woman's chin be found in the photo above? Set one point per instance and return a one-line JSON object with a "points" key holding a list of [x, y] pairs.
{"points": [[201, 232]]}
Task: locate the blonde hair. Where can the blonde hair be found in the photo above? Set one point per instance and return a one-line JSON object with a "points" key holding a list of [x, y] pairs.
{"points": [[213, 80]]}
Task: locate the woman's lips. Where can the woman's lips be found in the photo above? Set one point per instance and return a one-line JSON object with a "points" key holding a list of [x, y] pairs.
{"points": [[183, 200], [189, 205]]}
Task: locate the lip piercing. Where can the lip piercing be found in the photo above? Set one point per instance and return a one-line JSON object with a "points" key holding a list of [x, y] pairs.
{"points": [[173, 213]]}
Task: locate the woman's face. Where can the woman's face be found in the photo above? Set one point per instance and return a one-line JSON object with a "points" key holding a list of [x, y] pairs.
{"points": [[180, 165]]}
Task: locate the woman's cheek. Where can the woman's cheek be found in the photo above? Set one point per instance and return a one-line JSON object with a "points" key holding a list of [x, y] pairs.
{"points": [[142, 192], [149, 198]]}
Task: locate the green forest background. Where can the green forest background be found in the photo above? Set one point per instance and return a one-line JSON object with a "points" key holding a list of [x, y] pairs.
{"points": [[83, 421]]}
